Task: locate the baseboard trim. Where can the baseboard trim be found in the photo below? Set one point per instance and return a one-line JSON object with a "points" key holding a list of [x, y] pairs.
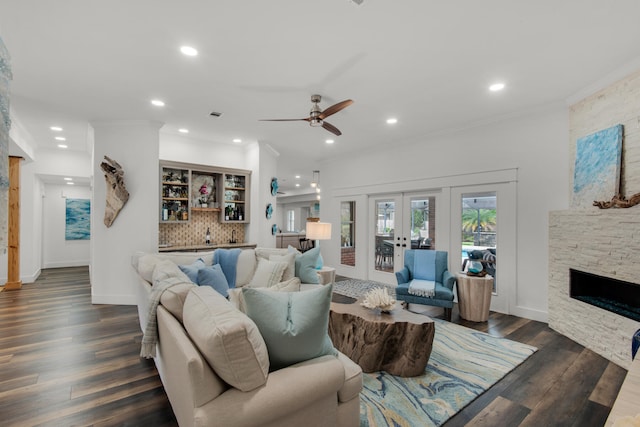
{"points": [[61, 264], [530, 313], [113, 299]]}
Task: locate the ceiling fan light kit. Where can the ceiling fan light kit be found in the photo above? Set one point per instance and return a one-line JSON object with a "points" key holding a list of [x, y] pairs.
{"points": [[317, 116]]}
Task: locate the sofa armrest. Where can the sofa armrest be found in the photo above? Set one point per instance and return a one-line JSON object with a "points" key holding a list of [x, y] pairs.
{"points": [[286, 391], [448, 279], [187, 378], [403, 276]]}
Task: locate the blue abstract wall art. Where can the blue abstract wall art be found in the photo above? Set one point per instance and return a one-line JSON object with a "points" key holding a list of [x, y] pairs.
{"points": [[597, 169], [78, 219]]}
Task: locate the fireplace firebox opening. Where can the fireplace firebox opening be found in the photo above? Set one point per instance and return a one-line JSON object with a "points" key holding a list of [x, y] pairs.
{"points": [[614, 295]]}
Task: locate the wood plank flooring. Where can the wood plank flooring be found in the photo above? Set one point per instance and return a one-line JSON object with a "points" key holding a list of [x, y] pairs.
{"points": [[66, 362]]}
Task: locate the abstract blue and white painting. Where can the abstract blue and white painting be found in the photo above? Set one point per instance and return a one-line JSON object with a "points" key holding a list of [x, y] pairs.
{"points": [[597, 170], [78, 219]]}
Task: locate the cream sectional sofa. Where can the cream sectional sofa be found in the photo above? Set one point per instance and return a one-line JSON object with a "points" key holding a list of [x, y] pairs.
{"points": [[323, 391]]}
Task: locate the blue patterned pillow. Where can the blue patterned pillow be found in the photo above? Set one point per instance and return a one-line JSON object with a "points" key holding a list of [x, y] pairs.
{"points": [[191, 270], [214, 277]]}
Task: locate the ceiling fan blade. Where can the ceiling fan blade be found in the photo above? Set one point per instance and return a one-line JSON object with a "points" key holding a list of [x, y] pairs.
{"points": [[331, 128], [284, 120], [335, 108]]}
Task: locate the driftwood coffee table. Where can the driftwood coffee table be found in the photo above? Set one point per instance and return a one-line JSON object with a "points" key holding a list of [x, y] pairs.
{"points": [[399, 342]]}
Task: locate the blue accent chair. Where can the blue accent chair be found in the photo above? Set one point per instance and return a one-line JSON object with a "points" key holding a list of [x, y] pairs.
{"points": [[444, 283]]}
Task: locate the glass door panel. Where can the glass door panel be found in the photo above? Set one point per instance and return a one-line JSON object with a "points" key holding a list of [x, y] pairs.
{"points": [[479, 230], [422, 222], [384, 232]]}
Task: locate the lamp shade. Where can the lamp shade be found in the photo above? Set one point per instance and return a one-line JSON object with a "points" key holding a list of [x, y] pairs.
{"points": [[318, 230]]}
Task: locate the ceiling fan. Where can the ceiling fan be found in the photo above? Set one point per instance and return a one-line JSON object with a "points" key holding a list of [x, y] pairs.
{"points": [[317, 116]]}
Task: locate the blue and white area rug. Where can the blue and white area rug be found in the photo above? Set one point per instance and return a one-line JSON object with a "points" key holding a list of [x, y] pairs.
{"points": [[464, 363]]}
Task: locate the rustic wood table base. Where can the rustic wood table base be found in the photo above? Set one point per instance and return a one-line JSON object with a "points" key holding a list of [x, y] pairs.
{"points": [[399, 343]]}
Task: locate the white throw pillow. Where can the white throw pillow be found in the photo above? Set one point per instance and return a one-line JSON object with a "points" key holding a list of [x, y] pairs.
{"points": [[267, 274], [290, 259]]}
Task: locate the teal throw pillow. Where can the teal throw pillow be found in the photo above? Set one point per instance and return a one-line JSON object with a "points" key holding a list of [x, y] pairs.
{"points": [[306, 265], [214, 277], [294, 325], [191, 270]]}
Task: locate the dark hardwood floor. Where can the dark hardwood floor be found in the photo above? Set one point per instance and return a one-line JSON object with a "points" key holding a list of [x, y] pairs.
{"points": [[66, 362]]}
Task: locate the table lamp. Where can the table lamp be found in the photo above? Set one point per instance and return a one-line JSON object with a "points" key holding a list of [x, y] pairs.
{"points": [[318, 231]]}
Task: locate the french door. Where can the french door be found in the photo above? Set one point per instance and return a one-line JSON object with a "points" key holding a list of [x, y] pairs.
{"points": [[399, 222], [483, 220]]}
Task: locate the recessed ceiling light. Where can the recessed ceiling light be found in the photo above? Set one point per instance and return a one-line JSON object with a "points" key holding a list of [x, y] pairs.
{"points": [[297, 185], [68, 179], [392, 121], [56, 128], [70, 183], [62, 146], [297, 176], [189, 51], [496, 87], [60, 138], [183, 130], [157, 103], [329, 141], [237, 140]]}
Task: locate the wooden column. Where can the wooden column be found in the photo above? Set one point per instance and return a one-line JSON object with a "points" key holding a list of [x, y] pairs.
{"points": [[13, 271]]}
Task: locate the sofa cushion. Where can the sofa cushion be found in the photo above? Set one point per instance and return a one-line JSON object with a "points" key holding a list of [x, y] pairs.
{"points": [[173, 299], [293, 324], [246, 266], [267, 274], [146, 265], [227, 338], [290, 260], [191, 270], [214, 277], [306, 264]]}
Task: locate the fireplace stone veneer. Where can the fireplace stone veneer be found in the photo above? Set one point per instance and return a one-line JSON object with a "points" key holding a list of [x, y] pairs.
{"points": [[601, 242]]}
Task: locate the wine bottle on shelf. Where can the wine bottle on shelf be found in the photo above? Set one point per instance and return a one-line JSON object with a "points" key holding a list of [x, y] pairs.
{"points": [[165, 212], [240, 213]]}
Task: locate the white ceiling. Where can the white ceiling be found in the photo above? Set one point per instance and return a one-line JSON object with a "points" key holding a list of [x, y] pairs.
{"points": [[428, 63]]}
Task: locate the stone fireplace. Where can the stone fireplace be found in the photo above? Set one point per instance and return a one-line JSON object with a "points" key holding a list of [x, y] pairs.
{"points": [[605, 243]]}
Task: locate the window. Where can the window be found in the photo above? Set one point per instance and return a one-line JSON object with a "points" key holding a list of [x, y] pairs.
{"points": [[291, 220], [348, 233]]}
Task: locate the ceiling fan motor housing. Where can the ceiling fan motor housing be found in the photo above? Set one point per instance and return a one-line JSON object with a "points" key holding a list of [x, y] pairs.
{"points": [[315, 112]]}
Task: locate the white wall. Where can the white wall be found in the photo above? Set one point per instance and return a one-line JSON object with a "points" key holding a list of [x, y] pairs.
{"points": [[56, 251], [177, 148], [262, 160], [134, 145], [535, 144]]}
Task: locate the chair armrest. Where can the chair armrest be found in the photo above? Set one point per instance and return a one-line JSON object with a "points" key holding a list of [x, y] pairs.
{"points": [[286, 391], [448, 279], [403, 276]]}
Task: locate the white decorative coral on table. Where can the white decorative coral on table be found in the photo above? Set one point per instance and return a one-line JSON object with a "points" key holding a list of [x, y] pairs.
{"points": [[379, 298]]}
